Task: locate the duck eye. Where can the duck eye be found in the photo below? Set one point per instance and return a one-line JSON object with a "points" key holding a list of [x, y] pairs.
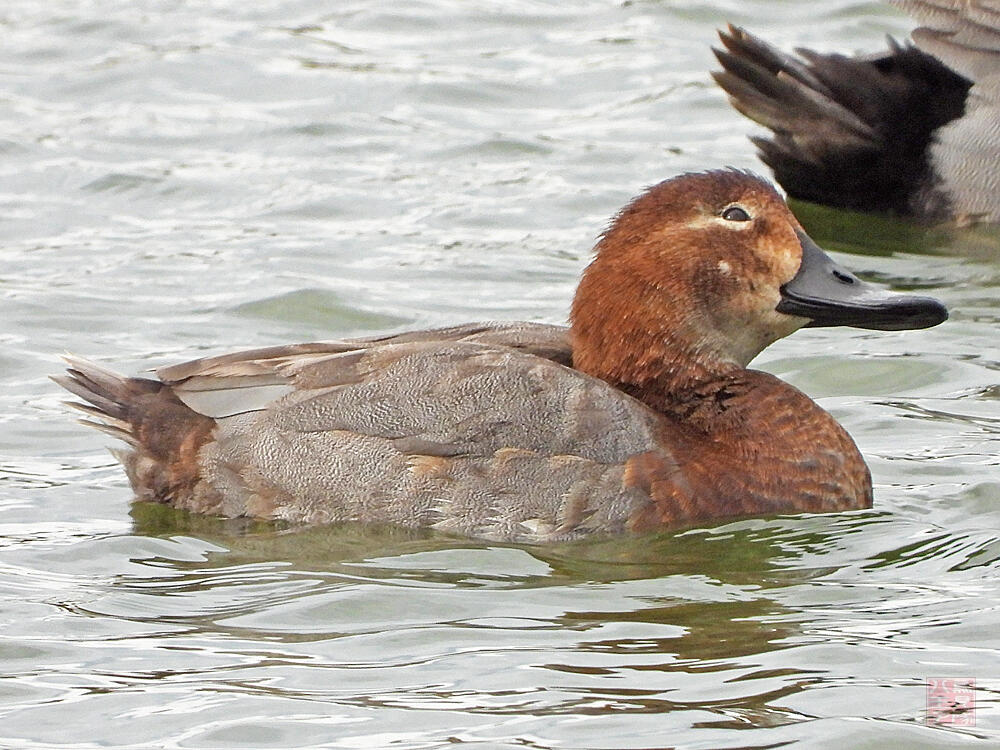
{"points": [[735, 213]]}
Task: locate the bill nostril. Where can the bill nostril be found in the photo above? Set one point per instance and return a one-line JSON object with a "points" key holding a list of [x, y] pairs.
{"points": [[843, 277]]}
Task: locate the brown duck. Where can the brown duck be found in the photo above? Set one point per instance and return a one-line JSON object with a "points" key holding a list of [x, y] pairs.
{"points": [[640, 415]]}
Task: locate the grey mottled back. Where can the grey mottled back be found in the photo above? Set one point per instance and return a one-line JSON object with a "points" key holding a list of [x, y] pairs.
{"points": [[451, 429]]}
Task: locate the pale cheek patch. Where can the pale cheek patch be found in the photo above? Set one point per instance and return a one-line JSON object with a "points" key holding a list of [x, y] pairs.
{"points": [[754, 326], [756, 307], [724, 268], [785, 259]]}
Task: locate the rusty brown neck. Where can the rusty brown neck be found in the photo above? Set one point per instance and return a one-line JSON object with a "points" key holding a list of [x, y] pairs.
{"points": [[651, 358], [735, 441], [643, 333]]}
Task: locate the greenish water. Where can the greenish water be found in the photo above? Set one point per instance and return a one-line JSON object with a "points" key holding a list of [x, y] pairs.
{"points": [[184, 178]]}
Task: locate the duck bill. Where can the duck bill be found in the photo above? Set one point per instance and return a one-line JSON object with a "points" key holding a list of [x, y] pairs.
{"points": [[830, 295]]}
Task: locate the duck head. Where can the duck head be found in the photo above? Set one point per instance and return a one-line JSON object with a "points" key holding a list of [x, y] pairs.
{"points": [[700, 273]]}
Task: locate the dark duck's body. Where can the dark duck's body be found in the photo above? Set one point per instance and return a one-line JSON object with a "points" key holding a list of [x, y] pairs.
{"points": [[640, 415], [914, 131]]}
